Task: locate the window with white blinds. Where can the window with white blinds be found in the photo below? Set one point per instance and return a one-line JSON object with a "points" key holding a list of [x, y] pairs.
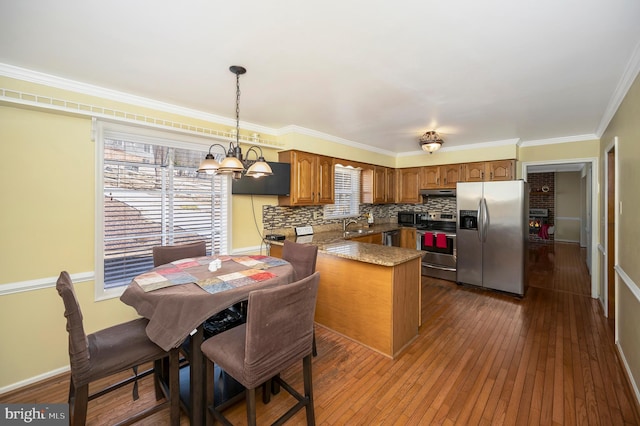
{"points": [[154, 196], [347, 193]]}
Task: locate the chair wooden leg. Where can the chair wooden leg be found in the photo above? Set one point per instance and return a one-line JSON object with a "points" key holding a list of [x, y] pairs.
{"points": [[266, 391], [159, 374], [251, 406], [174, 387], [81, 400], [314, 348], [275, 385], [72, 393], [308, 390], [209, 377]]}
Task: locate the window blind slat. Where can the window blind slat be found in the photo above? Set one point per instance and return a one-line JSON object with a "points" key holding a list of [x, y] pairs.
{"points": [[347, 193], [153, 195]]}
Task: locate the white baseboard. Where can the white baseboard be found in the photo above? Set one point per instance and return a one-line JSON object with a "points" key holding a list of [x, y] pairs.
{"points": [[636, 292], [562, 240], [34, 379], [634, 385]]}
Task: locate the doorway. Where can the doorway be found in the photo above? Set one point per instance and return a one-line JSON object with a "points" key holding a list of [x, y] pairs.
{"points": [[610, 232], [591, 167]]}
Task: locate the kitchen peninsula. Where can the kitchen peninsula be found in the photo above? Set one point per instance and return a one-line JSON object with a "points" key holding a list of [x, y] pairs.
{"points": [[370, 293]]}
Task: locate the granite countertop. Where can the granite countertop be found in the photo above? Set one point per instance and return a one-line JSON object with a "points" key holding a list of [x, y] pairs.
{"points": [[339, 243]]}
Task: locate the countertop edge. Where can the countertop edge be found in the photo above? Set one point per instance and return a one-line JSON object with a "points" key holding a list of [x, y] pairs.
{"points": [[335, 244]]}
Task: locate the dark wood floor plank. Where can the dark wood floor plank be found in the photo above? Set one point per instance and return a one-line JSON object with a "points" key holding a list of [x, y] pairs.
{"points": [[482, 358]]}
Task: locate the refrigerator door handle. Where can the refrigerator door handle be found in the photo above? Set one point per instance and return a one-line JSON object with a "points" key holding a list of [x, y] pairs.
{"points": [[479, 221], [485, 220]]}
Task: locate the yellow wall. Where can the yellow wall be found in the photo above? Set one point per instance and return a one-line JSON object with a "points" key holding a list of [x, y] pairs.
{"points": [[568, 206], [47, 219], [316, 145], [47, 183], [561, 151], [47, 225], [626, 126], [486, 153]]}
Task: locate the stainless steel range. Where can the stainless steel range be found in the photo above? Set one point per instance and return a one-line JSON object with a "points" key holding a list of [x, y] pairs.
{"points": [[436, 235]]}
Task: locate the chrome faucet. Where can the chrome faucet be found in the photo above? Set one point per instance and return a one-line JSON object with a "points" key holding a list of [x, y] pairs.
{"points": [[347, 222]]}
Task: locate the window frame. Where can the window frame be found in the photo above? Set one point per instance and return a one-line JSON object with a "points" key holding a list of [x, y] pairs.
{"points": [[144, 134], [329, 210]]}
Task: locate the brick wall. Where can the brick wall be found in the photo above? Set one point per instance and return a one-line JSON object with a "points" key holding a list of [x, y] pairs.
{"points": [[542, 200]]}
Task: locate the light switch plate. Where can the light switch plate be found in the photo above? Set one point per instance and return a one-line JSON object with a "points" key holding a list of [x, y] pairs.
{"points": [[304, 230]]}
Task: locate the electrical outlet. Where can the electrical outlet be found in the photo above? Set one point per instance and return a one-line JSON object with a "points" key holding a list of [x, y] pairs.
{"points": [[304, 230], [317, 215]]}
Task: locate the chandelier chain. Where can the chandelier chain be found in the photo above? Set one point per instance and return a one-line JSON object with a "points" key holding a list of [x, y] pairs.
{"points": [[237, 109]]}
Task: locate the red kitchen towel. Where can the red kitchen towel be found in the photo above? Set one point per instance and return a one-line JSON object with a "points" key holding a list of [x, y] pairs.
{"points": [[441, 241], [544, 232], [428, 239]]}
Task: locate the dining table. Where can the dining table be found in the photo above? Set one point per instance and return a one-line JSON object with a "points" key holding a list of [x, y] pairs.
{"points": [[178, 297]]}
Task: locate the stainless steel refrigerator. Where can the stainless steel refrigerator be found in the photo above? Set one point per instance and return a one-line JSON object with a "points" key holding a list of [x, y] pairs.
{"points": [[492, 234]]}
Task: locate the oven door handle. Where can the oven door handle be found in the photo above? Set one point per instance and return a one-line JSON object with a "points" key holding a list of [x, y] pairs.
{"points": [[442, 268]]}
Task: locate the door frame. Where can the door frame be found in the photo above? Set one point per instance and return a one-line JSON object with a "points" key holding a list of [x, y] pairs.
{"points": [[595, 218], [613, 145]]}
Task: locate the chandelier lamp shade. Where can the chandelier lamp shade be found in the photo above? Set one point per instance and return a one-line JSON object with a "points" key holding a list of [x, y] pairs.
{"points": [[233, 163], [431, 141]]}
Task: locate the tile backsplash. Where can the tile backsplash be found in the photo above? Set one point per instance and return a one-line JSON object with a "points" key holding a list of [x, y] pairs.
{"points": [[281, 217]]}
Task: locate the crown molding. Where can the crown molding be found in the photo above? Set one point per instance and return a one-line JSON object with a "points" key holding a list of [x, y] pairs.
{"points": [[565, 139], [628, 77], [117, 96], [493, 144], [65, 84], [314, 133]]}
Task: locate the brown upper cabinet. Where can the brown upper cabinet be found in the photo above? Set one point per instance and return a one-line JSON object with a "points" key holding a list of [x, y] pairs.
{"points": [[501, 170], [311, 179], [445, 176], [489, 171], [473, 172], [391, 186], [378, 184], [408, 185]]}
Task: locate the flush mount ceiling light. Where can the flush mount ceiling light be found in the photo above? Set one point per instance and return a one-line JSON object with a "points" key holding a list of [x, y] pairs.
{"points": [[233, 162], [431, 141]]}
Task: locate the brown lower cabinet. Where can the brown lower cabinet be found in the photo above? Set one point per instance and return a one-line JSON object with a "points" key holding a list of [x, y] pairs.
{"points": [[408, 238], [369, 238], [377, 306]]}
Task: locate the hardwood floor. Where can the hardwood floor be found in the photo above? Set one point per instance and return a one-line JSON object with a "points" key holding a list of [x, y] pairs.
{"points": [[482, 358]]}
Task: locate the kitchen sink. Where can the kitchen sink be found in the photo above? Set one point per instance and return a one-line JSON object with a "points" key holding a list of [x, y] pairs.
{"points": [[356, 232]]}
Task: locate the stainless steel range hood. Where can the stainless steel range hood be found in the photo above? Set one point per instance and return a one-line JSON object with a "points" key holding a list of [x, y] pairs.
{"points": [[438, 192]]}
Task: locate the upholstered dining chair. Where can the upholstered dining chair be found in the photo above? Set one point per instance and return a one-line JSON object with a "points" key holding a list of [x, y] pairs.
{"points": [[167, 254], [278, 333], [110, 351], [303, 258]]}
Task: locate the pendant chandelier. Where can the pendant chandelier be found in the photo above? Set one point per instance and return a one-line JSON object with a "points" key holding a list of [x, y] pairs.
{"points": [[234, 163], [431, 141]]}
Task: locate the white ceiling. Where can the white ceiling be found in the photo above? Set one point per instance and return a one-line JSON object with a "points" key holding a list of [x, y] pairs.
{"points": [[372, 72]]}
